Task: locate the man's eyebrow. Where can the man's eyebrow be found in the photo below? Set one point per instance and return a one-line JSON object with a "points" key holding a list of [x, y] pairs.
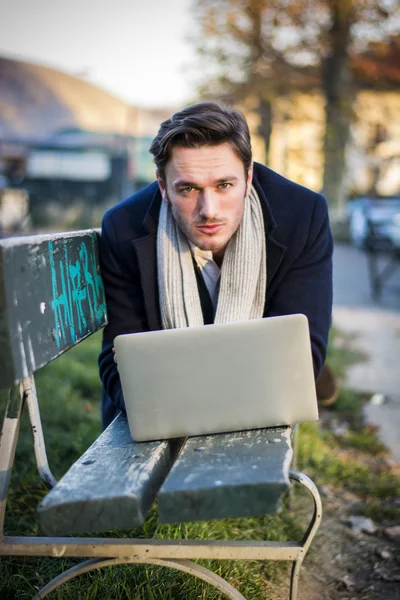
{"points": [[227, 179], [183, 183]]}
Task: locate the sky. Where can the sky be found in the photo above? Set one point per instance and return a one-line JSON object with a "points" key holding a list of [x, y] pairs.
{"points": [[137, 49]]}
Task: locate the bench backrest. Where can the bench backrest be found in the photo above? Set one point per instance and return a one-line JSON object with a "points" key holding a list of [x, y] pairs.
{"points": [[51, 297]]}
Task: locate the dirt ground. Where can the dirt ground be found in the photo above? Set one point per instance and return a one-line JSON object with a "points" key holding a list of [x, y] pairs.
{"points": [[343, 564]]}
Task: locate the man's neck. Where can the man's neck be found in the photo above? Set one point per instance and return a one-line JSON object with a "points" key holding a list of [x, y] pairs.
{"points": [[218, 256]]}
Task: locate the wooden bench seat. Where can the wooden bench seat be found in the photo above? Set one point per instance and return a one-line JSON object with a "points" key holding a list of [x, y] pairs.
{"points": [[115, 482], [228, 475], [112, 486]]}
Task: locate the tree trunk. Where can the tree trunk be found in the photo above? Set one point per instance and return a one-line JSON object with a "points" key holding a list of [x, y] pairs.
{"points": [[338, 109], [337, 133], [256, 78], [265, 126]]}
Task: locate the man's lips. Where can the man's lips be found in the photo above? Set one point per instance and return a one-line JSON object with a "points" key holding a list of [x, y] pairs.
{"points": [[212, 228]]}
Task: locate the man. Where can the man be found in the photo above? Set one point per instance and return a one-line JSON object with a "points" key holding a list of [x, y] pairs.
{"points": [[217, 238]]}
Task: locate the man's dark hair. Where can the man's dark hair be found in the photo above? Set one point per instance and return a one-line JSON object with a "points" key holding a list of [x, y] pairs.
{"points": [[203, 124]]}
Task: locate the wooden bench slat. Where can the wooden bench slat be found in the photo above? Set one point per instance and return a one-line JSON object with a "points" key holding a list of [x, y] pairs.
{"points": [[227, 475], [112, 485]]}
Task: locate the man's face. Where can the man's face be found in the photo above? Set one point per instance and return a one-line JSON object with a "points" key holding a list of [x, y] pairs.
{"points": [[206, 187]]}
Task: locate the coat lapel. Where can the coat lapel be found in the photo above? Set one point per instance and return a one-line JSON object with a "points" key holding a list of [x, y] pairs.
{"points": [[275, 250], [275, 253], [146, 253]]}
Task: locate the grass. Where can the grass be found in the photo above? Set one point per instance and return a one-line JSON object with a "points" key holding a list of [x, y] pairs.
{"points": [[340, 355], [322, 456], [69, 395]]}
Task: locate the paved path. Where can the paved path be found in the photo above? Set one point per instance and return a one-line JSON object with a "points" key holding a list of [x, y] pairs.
{"points": [[377, 333], [375, 327]]}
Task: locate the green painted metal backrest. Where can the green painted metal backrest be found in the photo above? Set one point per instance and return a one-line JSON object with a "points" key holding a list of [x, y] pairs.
{"points": [[51, 298]]}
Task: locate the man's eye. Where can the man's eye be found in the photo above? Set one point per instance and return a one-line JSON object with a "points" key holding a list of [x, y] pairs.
{"points": [[187, 190], [225, 186]]}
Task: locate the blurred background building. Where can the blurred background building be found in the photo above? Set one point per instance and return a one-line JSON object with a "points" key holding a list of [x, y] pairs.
{"points": [[318, 80], [69, 146]]}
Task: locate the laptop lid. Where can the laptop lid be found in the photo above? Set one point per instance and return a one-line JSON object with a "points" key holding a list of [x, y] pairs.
{"points": [[217, 378]]}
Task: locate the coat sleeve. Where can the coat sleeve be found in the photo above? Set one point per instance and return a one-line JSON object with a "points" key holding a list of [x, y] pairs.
{"points": [[306, 286], [125, 304]]}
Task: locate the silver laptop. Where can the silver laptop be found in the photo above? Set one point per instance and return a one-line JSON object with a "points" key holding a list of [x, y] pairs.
{"points": [[217, 378]]}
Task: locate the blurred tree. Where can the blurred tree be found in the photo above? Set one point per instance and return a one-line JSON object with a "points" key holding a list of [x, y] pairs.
{"points": [[352, 26], [244, 51], [377, 69], [262, 49]]}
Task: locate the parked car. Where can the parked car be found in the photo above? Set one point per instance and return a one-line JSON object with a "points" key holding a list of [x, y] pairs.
{"points": [[375, 222]]}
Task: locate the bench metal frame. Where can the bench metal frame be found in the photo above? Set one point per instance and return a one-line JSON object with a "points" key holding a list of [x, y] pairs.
{"points": [[103, 552]]}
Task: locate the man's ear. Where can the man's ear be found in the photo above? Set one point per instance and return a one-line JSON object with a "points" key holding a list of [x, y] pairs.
{"points": [[162, 186], [249, 179]]}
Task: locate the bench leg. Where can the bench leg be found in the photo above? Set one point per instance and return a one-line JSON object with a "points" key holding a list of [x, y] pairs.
{"points": [[8, 443], [374, 275], [379, 275], [19, 394], [295, 447], [311, 530], [186, 566], [31, 398]]}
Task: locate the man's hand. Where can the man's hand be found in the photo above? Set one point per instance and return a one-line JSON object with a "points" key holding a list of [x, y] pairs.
{"points": [[115, 356]]}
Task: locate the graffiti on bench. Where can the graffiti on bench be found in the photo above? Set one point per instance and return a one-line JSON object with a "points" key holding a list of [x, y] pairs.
{"points": [[80, 293], [51, 297]]}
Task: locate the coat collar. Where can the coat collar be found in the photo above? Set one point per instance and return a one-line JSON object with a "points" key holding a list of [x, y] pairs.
{"points": [[145, 247], [275, 250], [146, 252], [150, 221]]}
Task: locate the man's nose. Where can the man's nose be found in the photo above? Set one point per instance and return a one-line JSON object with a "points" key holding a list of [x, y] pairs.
{"points": [[208, 204]]}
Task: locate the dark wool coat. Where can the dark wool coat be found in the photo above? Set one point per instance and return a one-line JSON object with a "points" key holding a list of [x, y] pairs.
{"points": [[299, 267]]}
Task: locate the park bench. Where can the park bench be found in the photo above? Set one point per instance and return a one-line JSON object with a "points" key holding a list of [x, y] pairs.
{"points": [[51, 298], [383, 258]]}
